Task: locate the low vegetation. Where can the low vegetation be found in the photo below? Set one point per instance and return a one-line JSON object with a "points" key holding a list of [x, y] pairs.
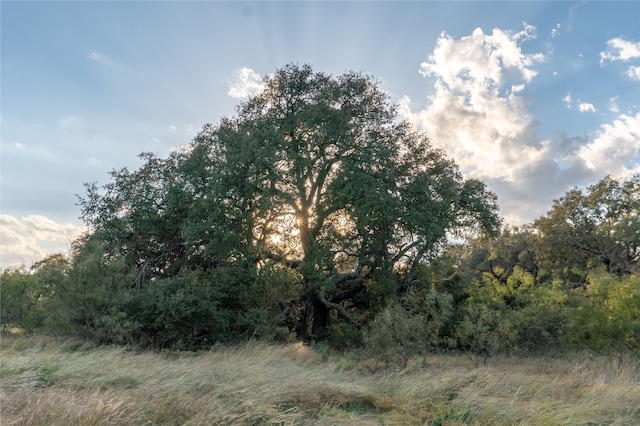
{"points": [[49, 381]]}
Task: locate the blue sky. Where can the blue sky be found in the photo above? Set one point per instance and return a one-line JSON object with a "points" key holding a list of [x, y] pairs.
{"points": [[532, 97]]}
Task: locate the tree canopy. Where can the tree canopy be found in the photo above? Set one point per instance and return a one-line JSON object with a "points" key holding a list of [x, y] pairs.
{"points": [[315, 177], [597, 226]]}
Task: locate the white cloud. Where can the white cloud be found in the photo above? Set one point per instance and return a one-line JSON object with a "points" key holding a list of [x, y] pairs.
{"points": [[586, 107], [97, 57], [634, 73], [491, 134], [582, 106], [20, 145], [481, 60], [245, 84], [613, 105], [32, 238], [615, 146], [620, 50]]}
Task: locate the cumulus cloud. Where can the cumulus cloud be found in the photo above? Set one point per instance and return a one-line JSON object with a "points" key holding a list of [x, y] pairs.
{"points": [[482, 128], [491, 134], [585, 106], [32, 238], [481, 60], [619, 49], [246, 83], [582, 106], [613, 105], [634, 73], [614, 146]]}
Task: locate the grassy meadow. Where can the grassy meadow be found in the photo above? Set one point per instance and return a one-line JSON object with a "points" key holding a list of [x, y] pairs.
{"points": [[53, 381]]}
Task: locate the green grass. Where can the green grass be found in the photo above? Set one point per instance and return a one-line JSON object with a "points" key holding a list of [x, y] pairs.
{"points": [[47, 381]]}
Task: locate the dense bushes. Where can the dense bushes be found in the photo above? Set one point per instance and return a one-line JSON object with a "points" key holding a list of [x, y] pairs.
{"points": [[608, 317], [570, 280], [198, 309], [21, 300], [191, 311]]}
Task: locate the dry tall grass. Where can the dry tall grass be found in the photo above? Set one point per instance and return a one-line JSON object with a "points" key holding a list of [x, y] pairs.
{"points": [[53, 382]]}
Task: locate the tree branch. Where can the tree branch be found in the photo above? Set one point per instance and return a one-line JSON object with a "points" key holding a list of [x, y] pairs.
{"points": [[342, 312], [348, 294], [348, 276]]}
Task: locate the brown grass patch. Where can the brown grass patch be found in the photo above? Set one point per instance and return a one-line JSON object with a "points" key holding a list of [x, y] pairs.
{"points": [[45, 381]]}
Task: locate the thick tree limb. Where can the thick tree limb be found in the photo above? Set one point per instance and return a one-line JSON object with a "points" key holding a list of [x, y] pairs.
{"points": [[348, 276], [342, 312], [348, 294], [404, 251]]}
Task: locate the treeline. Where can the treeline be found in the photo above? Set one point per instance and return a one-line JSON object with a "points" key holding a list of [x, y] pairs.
{"points": [[315, 214]]}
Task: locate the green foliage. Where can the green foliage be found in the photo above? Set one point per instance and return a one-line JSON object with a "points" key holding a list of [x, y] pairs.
{"points": [[400, 331], [22, 298], [342, 336], [194, 310], [529, 317], [26, 294], [609, 317], [271, 224], [435, 311], [394, 336], [599, 227], [484, 331], [540, 328], [87, 290], [315, 177]]}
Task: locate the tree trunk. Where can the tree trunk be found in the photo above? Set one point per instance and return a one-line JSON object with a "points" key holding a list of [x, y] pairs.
{"points": [[302, 328], [321, 317]]}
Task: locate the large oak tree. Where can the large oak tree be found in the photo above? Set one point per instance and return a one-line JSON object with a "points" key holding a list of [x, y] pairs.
{"points": [[315, 176]]}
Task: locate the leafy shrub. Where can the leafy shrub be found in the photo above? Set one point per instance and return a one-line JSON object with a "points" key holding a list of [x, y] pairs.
{"points": [[609, 316], [394, 336], [343, 336], [538, 328], [436, 312], [22, 299], [484, 331], [402, 330], [196, 310], [87, 292]]}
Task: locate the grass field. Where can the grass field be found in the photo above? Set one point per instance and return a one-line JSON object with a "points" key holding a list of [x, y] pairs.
{"points": [[48, 381]]}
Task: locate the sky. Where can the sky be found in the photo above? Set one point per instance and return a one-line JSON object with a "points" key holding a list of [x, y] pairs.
{"points": [[534, 98]]}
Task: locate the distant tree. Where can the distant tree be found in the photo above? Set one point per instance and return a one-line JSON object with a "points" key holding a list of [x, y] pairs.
{"points": [[315, 176], [20, 297], [599, 226], [26, 293]]}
